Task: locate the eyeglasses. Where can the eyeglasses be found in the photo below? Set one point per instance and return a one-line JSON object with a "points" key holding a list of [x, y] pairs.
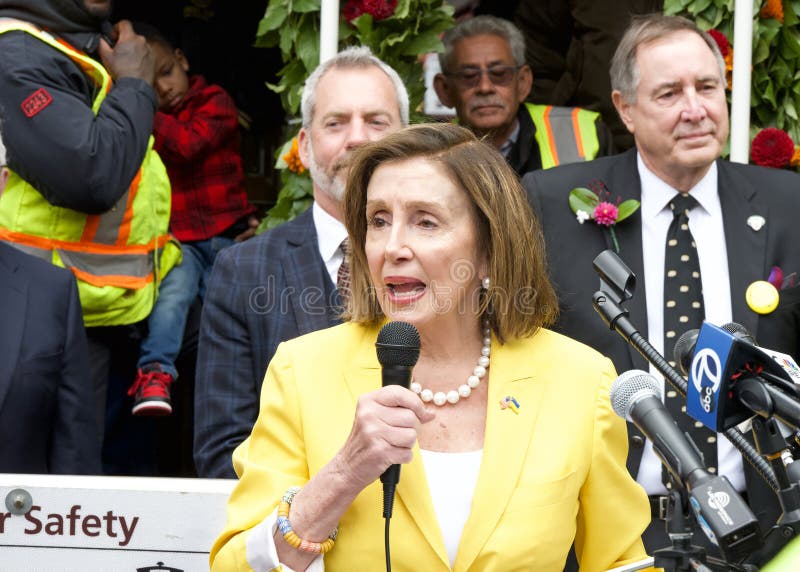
{"points": [[469, 77]]}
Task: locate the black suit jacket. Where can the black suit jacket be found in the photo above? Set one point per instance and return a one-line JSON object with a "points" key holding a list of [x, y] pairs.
{"points": [[47, 422], [262, 292], [744, 191]]}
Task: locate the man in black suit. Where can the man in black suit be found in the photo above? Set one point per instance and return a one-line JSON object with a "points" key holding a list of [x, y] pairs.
{"points": [[668, 83], [47, 420], [283, 283]]}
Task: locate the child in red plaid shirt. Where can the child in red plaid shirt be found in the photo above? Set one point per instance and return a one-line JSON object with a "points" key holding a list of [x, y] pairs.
{"points": [[196, 135]]}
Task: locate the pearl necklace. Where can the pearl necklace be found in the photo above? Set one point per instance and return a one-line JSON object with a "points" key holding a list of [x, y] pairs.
{"points": [[440, 398]]}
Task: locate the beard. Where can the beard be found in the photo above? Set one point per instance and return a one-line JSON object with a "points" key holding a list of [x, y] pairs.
{"points": [[331, 181]]}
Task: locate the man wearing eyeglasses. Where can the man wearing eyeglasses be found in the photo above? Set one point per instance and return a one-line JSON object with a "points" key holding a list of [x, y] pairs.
{"points": [[485, 78]]}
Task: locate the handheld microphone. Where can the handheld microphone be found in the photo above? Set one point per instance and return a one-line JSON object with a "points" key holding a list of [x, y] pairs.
{"points": [[398, 351], [730, 379], [724, 517]]}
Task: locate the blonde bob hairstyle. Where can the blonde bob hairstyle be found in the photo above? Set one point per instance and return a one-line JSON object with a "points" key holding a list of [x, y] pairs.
{"points": [[520, 299]]}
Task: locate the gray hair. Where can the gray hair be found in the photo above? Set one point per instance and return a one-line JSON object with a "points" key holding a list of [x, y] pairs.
{"points": [[2, 147], [352, 57], [483, 26], [643, 30]]}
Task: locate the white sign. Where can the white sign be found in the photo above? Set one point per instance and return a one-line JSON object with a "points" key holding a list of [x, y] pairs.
{"points": [[120, 524]]}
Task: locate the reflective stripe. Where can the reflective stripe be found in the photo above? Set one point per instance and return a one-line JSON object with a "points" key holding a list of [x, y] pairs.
{"points": [[564, 134], [134, 265], [576, 130], [105, 249], [127, 282]]}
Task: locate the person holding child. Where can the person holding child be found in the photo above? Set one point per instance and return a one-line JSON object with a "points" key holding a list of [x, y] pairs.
{"points": [[196, 135]]}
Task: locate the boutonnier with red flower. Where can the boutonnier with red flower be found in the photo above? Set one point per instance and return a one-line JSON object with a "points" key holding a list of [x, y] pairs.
{"points": [[588, 204]]}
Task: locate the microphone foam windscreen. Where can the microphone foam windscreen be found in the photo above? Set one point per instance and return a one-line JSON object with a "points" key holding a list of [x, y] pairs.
{"points": [[629, 388], [398, 344], [740, 332], [684, 349]]}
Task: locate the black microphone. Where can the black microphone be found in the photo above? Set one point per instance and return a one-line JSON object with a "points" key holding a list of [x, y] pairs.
{"points": [[721, 513], [398, 351]]}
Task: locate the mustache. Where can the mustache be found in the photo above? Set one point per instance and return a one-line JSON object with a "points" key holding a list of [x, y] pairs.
{"points": [[482, 101]]}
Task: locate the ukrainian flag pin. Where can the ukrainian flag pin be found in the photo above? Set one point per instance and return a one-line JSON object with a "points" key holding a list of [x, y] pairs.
{"points": [[510, 402]]}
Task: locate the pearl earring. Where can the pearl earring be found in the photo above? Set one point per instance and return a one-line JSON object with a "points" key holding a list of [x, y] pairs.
{"points": [[486, 283]]}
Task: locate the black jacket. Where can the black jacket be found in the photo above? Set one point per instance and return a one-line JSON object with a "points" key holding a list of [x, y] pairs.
{"points": [[75, 159]]}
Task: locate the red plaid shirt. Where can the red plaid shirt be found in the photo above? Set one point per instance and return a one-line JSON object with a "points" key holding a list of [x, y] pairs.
{"points": [[199, 144]]}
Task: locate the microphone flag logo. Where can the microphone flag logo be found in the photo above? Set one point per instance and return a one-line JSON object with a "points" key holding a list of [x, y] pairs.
{"points": [[706, 376], [706, 391]]}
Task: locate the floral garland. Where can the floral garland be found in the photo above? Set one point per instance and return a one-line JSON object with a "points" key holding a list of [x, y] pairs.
{"points": [[399, 32]]}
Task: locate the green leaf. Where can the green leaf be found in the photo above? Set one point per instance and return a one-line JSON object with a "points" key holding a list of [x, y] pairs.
{"points": [[423, 44], [287, 34], [308, 44], [788, 105], [302, 6], [697, 7], [275, 15], [583, 199], [401, 11], [627, 208]]}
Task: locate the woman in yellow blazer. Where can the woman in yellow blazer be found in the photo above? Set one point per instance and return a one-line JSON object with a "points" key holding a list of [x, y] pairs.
{"points": [[507, 460]]}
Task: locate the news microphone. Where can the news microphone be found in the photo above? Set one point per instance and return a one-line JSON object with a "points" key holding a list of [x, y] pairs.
{"points": [[398, 351], [723, 516], [730, 379]]}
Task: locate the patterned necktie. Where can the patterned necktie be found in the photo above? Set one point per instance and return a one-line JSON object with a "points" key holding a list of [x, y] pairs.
{"points": [[683, 310], [343, 275]]}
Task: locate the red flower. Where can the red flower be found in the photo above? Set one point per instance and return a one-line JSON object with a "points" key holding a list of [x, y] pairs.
{"points": [[772, 148], [606, 213], [352, 10], [722, 41], [379, 9]]}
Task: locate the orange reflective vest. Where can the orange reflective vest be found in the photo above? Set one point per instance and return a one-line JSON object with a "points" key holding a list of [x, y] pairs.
{"points": [[564, 134], [118, 257]]}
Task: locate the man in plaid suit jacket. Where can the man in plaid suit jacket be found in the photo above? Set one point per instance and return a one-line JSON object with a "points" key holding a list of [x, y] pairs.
{"points": [[280, 284]]}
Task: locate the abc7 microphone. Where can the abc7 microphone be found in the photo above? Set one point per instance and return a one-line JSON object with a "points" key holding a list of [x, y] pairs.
{"points": [[723, 516], [730, 378]]}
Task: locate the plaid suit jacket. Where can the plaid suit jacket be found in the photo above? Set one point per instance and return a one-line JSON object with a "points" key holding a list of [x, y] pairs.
{"points": [[266, 290]]}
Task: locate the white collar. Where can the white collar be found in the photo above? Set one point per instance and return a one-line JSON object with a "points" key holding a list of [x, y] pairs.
{"points": [[656, 193], [330, 232]]}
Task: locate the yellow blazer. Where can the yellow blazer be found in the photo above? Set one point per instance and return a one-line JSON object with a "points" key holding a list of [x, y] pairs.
{"points": [[553, 473]]}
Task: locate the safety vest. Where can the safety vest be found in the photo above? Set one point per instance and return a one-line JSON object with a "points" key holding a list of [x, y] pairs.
{"points": [[564, 134], [118, 257]]}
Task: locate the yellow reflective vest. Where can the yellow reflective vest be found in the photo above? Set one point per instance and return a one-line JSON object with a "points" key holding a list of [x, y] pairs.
{"points": [[564, 134], [118, 257]]}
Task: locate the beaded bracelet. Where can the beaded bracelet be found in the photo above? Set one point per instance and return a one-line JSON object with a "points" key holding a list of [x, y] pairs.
{"points": [[291, 537]]}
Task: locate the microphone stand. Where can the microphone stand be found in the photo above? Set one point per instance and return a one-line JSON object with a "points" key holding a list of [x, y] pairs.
{"points": [[772, 446], [616, 318], [683, 556]]}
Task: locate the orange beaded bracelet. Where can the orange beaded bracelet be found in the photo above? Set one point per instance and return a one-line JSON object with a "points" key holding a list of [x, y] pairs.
{"points": [[289, 535]]}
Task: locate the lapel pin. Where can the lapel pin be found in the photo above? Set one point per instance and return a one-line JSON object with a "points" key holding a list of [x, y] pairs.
{"points": [[510, 402], [756, 222], [762, 297]]}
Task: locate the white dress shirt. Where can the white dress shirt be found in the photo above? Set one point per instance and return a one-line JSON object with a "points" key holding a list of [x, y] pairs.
{"points": [[330, 234], [705, 223]]}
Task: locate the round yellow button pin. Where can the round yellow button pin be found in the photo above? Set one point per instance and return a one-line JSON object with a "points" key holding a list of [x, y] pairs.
{"points": [[762, 297]]}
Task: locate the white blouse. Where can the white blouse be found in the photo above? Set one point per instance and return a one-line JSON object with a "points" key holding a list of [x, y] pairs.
{"points": [[452, 478]]}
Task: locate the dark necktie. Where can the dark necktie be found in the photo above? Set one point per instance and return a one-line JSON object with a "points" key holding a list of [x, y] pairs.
{"points": [[683, 310], [343, 275]]}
